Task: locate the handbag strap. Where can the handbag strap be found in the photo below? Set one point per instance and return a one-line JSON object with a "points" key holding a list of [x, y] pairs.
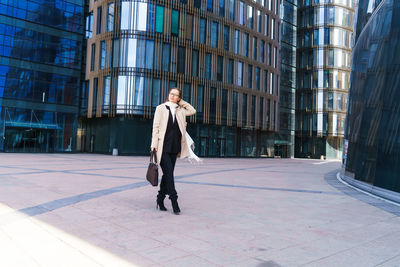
{"points": [[153, 156]]}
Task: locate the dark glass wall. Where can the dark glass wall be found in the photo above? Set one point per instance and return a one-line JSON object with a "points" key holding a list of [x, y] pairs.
{"points": [[40, 70], [373, 123]]}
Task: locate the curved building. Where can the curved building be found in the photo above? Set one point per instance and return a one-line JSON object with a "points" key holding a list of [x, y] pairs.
{"points": [[222, 53], [373, 125], [323, 69]]}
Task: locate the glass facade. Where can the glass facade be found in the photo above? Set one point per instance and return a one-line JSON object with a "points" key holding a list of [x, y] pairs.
{"points": [[143, 48], [284, 140], [372, 145], [325, 31], [40, 74]]}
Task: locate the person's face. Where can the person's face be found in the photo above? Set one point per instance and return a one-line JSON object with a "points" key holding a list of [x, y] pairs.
{"points": [[174, 96]]}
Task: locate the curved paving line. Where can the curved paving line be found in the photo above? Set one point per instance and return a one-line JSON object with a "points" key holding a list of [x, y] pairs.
{"points": [[331, 179]]}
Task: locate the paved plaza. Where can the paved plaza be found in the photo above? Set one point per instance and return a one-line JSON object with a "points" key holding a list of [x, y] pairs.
{"points": [[98, 210]]}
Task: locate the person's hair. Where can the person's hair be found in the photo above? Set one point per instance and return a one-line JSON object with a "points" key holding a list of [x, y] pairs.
{"points": [[176, 88]]}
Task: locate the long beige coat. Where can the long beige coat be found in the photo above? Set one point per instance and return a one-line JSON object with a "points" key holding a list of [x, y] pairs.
{"points": [[160, 123]]}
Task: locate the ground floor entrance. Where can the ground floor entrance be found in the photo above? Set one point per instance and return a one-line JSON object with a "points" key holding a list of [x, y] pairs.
{"points": [[18, 139]]}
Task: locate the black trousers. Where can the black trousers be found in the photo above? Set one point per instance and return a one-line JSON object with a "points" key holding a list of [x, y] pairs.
{"points": [[167, 185]]}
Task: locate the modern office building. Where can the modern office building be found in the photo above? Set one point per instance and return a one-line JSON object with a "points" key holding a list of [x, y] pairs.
{"points": [[40, 71], [224, 54], [323, 70], [284, 140], [372, 154]]}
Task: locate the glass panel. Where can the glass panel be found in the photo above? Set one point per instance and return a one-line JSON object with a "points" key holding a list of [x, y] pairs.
{"points": [[200, 99], [166, 57], [195, 62], [222, 8], [232, 5], [106, 92], [92, 58], [156, 93], [102, 55], [181, 59], [220, 67], [98, 28], [240, 74], [236, 48], [214, 37], [244, 110], [174, 22], [250, 76], [159, 19], [149, 54], [226, 38], [210, 5], [110, 16], [207, 66], [202, 34], [230, 71], [258, 78]]}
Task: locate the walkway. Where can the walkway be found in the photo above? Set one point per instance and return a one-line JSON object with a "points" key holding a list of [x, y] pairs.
{"points": [[98, 210]]}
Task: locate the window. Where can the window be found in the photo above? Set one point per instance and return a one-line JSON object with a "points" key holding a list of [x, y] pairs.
{"points": [[250, 17], [202, 34], [262, 51], [232, 5], [195, 62], [261, 114], [174, 22], [159, 19], [250, 76], [110, 16], [267, 118], [220, 67], [226, 38], [213, 104], [98, 28], [265, 81], [197, 3], [236, 48], [89, 25], [240, 74], [275, 57], [210, 5], [241, 13], [244, 109], [224, 106], [222, 8], [181, 59], [214, 37], [266, 25], [269, 54], [156, 93], [271, 83], [106, 92], [246, 44], [258, 78], [149, 54], [259, 20], [207, 66], [230, 71], [255, 48], [272, 29], [253, 110], [330, 100], [327, 36], [200, 90], [235, 105], [186, 91], [102, 55], [166, 57], [95, 89], [92, 57]]}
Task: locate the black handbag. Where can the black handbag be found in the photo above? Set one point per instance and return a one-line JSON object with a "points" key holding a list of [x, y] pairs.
{"points": [[152, 170]]}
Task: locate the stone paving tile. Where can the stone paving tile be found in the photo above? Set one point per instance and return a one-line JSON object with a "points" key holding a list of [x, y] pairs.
{"points": [[93, 210]]}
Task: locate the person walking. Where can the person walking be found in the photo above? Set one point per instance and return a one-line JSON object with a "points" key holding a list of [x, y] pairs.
{"points": [[169, 141]]}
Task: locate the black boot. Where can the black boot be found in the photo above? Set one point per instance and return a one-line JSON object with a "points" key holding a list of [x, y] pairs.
{"points": [[175, 206], [160, 201]]}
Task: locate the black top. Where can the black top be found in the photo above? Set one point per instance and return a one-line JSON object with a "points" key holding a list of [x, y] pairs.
{"points": [[173, 136]]}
